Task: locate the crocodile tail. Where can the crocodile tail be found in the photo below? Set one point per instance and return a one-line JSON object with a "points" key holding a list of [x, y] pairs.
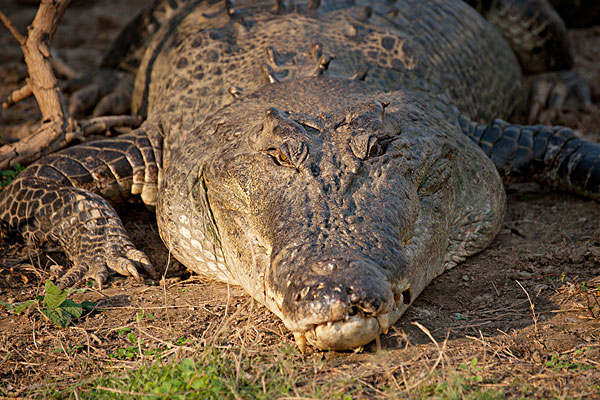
{"points": [[553, 155]]}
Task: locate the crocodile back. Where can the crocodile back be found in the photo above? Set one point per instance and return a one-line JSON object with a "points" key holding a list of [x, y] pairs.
{"points": [[434, 46]]}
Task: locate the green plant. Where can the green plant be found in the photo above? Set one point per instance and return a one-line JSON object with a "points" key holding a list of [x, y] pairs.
{"points": [[144, 315], [130, 352], [211, 375], [55, 305], [559, 362], [463, 383], [8, 175], [458, 317], [70, 349], [473, 371]]}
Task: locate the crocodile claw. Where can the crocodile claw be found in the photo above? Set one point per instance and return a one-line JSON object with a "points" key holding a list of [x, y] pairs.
{"points": [[554, 92], [106, 252], [105, 92], [128, 262]]}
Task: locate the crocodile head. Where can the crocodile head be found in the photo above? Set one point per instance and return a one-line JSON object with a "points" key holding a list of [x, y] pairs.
{"points": [[313, 190]]}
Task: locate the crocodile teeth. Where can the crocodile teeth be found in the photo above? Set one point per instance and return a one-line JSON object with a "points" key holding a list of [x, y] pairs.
{"points": [[384, 322], [300, 341]]}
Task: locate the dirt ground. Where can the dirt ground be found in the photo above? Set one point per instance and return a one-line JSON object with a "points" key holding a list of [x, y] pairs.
{"points": [[528, 307]]}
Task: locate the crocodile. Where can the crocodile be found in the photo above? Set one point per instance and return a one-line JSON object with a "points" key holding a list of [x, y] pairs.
{"points": [[332, 159]]}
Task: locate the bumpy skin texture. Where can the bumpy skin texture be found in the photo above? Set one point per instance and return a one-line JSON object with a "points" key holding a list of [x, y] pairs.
{"points": [[63, 198], [540, 39], [333, 189]]}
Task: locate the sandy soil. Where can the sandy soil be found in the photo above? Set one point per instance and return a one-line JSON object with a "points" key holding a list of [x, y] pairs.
{"points": [[529, 299]]}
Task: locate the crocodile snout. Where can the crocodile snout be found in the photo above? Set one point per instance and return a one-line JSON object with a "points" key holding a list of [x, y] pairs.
{"points": [[338, 303]]}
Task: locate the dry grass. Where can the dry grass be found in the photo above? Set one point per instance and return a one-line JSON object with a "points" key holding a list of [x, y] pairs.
{"points": [[144, 343]]}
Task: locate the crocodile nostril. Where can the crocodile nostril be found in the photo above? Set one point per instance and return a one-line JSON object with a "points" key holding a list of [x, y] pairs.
{"points": [[337, 289]]}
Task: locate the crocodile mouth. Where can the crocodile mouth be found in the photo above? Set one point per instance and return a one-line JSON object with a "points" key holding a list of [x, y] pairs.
{"points": [[341, 303], [349, 333]]}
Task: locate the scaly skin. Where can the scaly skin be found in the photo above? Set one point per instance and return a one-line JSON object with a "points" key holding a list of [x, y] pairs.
{"points": [[332, 189], [540, 39]]}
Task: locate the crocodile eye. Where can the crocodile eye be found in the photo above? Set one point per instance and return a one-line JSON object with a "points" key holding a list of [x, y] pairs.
{"points": [[367, 146], [374, 150], [277, 156], [281, 159], [291, 153]]}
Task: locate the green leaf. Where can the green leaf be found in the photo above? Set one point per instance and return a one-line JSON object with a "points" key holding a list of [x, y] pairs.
{"points": [[8, 172], [58, 317], [187, 365], [198, 383], [124, 330], [131, 338], [88, 305], [58, 308], [54, 296], [23, 306], [17, 308], [72, 308]]}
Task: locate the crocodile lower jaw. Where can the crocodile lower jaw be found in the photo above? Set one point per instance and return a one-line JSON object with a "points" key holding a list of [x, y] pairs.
{"points": [[350, 333]]}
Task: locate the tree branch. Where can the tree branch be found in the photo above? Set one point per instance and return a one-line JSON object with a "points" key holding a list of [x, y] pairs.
{"points": [[58, 128], [20, 38], [37, 145], [37, 57], [18, 95]]}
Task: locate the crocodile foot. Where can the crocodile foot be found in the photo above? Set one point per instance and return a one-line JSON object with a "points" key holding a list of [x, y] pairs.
{"points": [[104, 256], [553, 92], [105, 91]]}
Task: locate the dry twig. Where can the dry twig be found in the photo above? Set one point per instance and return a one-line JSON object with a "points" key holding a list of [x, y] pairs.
{"points": [[20, 38], [441, 354], [17, 96], [532, 307]]}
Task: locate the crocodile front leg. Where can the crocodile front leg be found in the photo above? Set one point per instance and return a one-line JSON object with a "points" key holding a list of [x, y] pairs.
{"points": [[64, 198]]}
